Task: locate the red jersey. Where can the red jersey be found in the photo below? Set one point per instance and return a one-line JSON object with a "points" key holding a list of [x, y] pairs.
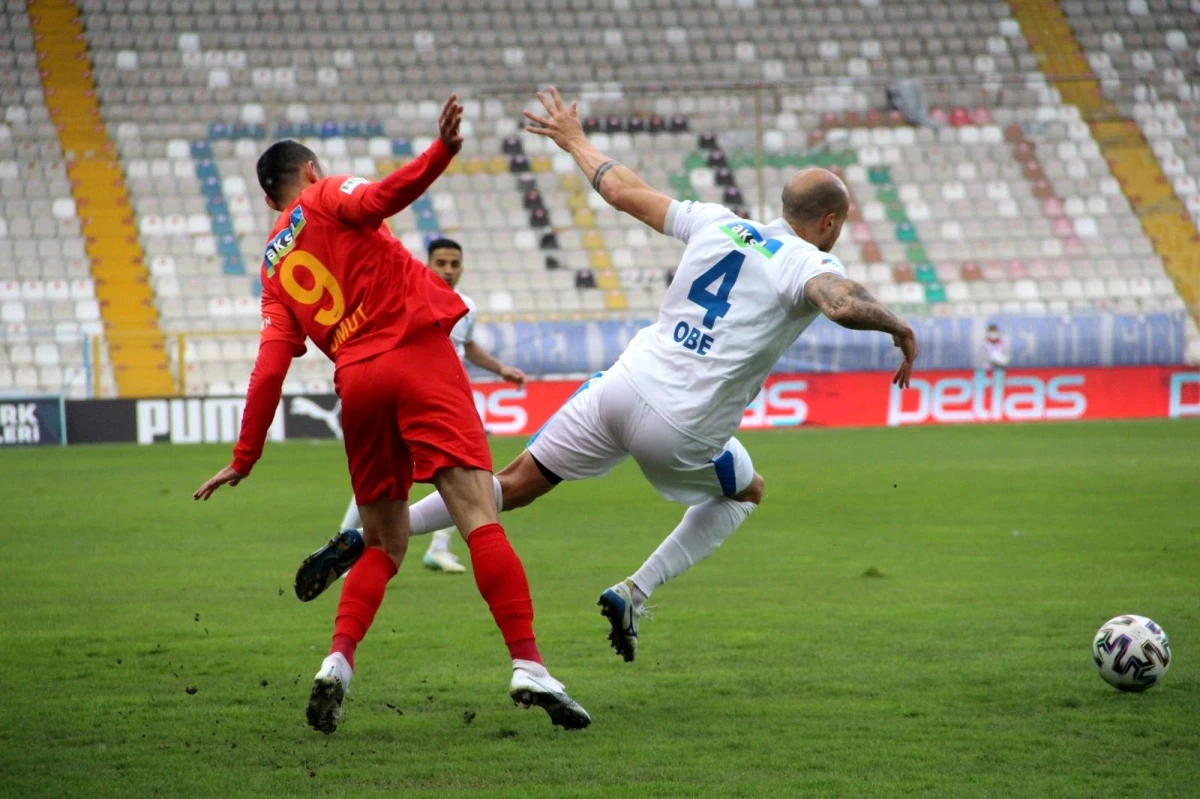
{"points": [[333, 272]]}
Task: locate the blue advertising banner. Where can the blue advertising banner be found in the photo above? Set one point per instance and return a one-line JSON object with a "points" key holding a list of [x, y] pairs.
{"points": [[36, 421], [549, 348]]}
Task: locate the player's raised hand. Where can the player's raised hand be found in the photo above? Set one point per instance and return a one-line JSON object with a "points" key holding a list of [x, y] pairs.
{"points": [[449, 124], [907, 342], [561, 122], [226, 475]]}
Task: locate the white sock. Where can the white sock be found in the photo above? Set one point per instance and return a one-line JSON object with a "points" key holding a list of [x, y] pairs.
{"points": [[703, 528], [431, 513], [441, 540], [351, 521]]}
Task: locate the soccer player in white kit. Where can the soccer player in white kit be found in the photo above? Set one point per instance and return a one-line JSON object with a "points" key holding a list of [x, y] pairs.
{"points": [[743, 292], [446, 260]]}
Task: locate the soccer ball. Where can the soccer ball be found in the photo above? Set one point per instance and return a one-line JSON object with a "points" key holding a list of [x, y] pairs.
{"points": [[1131, 652]]}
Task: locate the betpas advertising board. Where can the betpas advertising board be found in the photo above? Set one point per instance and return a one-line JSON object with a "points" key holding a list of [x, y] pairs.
{"points": [[868, 399], [844, 399]]}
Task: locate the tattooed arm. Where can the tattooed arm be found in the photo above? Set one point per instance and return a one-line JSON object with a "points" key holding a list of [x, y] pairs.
{"points": [[850, 305]]}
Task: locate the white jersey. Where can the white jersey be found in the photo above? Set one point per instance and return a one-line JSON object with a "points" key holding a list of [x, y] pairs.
{"points": [[994, 351], [464, 331], [735, 305]]}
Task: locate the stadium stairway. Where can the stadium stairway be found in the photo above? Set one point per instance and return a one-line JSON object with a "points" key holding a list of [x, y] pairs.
{"points": [[600, 261], [135, 342], [1134, 165]]}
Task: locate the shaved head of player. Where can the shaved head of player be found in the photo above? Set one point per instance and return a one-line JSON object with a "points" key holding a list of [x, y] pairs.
{"points": [[815, 204], [286, 169]]}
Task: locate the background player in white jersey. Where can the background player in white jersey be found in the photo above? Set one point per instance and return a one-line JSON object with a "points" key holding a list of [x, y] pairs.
{"points": [[743, 292], [445, 259]]}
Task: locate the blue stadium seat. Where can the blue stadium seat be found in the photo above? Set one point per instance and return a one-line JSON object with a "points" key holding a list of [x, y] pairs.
{"points": [[427, 220], [233, 265], [201, 149], [330, 129], [402, 147], [205, 168], [218, 130], [227, 246], [243, 131], [221, 225]]}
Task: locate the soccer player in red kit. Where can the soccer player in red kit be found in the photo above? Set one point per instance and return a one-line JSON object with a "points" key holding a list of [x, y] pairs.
{"points": [[333, 272]]}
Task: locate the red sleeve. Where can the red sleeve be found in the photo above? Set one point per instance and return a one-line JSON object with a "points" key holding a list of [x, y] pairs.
{"points": [[278, 322], [262, 400], [358, 202]]}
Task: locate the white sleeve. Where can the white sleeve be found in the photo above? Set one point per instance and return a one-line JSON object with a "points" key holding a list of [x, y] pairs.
{"points": [[469, 321], [802, 266], [685, 218]]}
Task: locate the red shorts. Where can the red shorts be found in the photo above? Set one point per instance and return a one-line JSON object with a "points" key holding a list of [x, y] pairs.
{"points": [[406, 414]]}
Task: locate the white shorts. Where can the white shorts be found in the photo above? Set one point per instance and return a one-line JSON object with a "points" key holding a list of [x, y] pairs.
{"points": [[606, 421]]}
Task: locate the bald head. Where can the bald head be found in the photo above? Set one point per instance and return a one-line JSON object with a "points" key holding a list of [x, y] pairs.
{"points": [[815, 204], [813, 193]]}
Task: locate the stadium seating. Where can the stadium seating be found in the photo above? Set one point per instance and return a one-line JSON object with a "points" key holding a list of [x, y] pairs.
{"points": [[1146, 56], [1008, 207], [47, 299]]}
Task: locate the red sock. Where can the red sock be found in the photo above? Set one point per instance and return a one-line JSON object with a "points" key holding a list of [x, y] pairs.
{"points": [[501, 580], [362, 594]]}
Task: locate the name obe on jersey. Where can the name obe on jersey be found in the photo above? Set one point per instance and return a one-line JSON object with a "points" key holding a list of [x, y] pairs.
{"points": [[275, 257], [726, 270]]}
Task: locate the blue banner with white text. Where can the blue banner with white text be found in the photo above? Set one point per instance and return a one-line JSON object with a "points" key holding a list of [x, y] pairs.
{"points": [[560, 348]]}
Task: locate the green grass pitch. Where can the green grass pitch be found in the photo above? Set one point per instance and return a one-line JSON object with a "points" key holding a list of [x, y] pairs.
{"points": [[153, 646]]}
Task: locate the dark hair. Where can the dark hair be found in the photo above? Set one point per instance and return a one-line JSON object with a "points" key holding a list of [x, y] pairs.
{"points": [[280, 165], [815, 201], [443, 244]]}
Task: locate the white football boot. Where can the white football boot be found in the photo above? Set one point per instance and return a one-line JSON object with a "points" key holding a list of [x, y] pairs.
{"points": [[532, 685], [442, 560], [439, 558], [616, 605], [329, 688]]}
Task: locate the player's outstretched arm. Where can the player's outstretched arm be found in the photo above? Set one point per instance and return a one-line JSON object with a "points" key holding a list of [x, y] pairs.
{"points": [[850, 305], [619, 185], [266, 387], [485, 360], [375, 202]]}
